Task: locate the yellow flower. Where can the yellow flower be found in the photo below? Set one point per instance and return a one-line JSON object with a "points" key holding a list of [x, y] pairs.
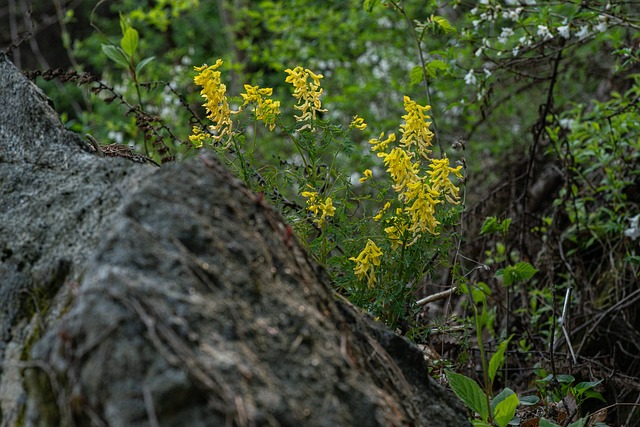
{"points": [[307, 94], [440, 182], [358, 123], [396, 231], [378, 217], [197, 137], [317, 206], [379, 145], [415, 130], [366, 261], [422, 209], [400, 167], [214, 93], [367, 175], [266, 109]]}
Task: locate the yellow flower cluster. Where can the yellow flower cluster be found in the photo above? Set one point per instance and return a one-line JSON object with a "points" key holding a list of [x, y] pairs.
{"points": [[366, 261], [358, 123], [418, 192], [415, 130], [315, 204], [307, 93], [368, 174], [217, 106], [266, 109], [440, 182]]}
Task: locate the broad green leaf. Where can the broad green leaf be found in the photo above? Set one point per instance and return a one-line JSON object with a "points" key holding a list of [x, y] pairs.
{"points": [[469, 392], [489, 225], [129, 41], [520, 272], [116, 54], [525, 270], [505, 409], [588, 394], [497, 360], [580, 423], [443, 23], [565, 378], [493, 225], [586, 385], [529, 400], [434, 66], [144, 62], [415, 75], [499, 398], [584, 391]]}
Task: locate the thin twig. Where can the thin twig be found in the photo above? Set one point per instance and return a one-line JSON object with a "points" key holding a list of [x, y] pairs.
{"points": [[438, 296]]}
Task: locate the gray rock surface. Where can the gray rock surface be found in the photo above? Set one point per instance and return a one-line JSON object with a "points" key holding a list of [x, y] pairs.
{"points": [[133, 295]]}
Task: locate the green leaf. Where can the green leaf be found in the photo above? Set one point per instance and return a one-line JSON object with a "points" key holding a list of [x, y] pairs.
{"points": [[415, 75], [586, 385], [124, 23], [580, 423], [529, 400], [565, 378], [546, 423], [144, 62], [443, 24], [520, 272], [116, 54], [505, 409], [492, 225], [497, 359], [583, 391], [469, 392], [434, 66], [368, 5], [129, 41]]}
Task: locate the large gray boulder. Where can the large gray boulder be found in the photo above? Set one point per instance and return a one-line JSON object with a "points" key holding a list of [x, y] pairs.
{"points": [[136, 295]]}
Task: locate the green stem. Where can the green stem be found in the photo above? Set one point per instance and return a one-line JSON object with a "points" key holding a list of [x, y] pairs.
{"points": [[245, 173], [483, 361], [136, 84], [423, 64], [295, 142]]}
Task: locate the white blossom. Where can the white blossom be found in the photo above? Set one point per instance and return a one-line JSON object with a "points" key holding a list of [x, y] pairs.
{"points": [[515, 51], [567, 123], [584, 32], [543, 31], [470, 78], [512, 14], [505, 34], [633, 231], [602, 25], [525, 41], [564, 31]]}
